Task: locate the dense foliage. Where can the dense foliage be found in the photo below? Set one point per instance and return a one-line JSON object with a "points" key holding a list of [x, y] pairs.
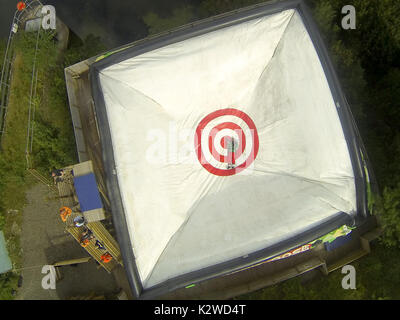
{"points": [[368, 62]]}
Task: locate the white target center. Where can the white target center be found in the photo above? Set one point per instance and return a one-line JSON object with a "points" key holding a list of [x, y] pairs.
{"points": [[220, 136], [208, 131]]}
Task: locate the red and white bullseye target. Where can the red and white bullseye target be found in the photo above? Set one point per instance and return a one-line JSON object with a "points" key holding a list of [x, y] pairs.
{"points": [[226, 142]]}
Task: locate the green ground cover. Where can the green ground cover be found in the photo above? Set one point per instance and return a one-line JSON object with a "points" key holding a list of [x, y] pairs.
{"points": [[53, 139]]}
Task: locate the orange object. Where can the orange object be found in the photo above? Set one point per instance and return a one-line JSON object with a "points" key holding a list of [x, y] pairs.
{"points": [[21, 6], [64, 213], [85, 243], [106, 257]]}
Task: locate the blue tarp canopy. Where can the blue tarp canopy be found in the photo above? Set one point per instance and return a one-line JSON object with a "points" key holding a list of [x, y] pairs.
{"points": [[5, 262], [87, 192]]}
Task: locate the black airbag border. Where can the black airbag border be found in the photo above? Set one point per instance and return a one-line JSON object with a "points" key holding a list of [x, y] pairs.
{"points": [[350, 131]]}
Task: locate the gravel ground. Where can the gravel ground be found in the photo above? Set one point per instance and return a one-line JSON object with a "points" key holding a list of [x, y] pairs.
{"points": [[44, 241]]}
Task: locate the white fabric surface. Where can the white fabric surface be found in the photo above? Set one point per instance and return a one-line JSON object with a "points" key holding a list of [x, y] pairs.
{"points": [[181, 218]]}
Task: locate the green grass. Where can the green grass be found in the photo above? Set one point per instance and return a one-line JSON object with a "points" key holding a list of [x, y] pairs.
{"points": [[53, 139], [53, 142], [3, 43], [12, 173], [8, 284]]}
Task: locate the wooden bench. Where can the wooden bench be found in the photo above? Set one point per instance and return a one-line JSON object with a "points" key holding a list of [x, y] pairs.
{"points": [[69, 199], [104, 236], [92, 249]]}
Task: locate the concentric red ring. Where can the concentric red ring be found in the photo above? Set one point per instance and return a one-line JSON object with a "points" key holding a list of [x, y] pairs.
{"points": [[242, 143]]}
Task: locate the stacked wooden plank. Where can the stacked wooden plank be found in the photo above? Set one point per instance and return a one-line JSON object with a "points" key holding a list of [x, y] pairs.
{"points": [[69, 199], [92, 249]]}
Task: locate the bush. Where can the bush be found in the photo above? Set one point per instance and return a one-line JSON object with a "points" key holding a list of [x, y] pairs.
{"points": [[8, 285], [389, 216]]}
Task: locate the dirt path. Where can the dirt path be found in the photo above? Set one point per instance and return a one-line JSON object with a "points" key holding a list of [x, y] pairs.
{"points": [[44, 241]]}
